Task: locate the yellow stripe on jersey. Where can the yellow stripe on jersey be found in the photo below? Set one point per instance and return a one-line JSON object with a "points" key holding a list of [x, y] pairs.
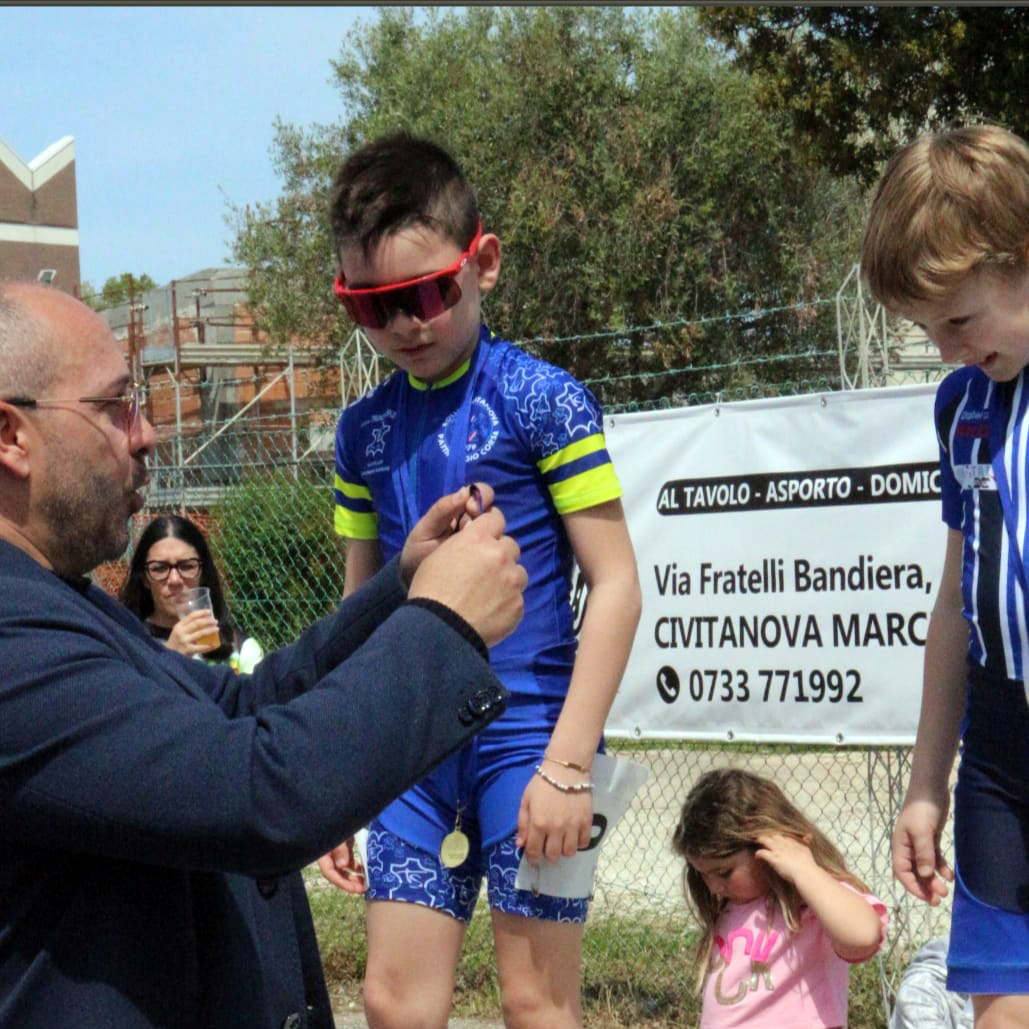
{"points": [[352, 490], [566, 455], [578, 491], [587, 489], [355, 524]]}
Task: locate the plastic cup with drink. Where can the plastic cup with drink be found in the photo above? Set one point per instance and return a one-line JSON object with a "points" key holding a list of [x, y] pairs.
{"points": [[199, 599]]}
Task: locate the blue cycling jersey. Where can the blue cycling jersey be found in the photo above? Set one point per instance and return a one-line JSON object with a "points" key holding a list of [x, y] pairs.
{"points": [[535, 435], [531, 431]]}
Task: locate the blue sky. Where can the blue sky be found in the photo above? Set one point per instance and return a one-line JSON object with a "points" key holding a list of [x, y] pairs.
{"points": [[171, 109]]}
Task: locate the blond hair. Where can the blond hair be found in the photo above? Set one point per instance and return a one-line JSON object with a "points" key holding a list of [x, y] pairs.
{"points": [[945, 205], [724, 813]]}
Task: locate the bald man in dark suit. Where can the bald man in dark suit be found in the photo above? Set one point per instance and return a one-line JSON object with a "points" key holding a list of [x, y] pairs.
{"points": [[155, 811]]}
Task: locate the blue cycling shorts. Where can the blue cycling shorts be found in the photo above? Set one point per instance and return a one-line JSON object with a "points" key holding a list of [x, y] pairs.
{"points": [[398, 871], [989, 936]]}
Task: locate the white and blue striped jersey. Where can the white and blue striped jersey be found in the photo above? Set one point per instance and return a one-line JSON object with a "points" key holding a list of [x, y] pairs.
{"points": [[982, 428]]}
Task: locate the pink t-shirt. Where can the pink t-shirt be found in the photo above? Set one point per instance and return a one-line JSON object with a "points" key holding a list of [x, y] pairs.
{"points": [[762, 976]]}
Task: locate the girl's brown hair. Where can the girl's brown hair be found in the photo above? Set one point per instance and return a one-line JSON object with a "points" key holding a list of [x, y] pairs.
{"points": [[724, 813]]}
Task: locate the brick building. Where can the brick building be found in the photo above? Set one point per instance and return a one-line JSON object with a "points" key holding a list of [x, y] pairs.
{"points": [[39, 235], [223, 399]]}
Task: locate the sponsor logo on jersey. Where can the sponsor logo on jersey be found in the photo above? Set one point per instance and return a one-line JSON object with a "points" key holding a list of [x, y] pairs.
{"points": [[976, 476], [483, 431]]}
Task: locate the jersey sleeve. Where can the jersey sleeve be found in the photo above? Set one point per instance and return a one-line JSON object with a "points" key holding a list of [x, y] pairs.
{"points": [[564, 425], [948, 397], [354, 516]]}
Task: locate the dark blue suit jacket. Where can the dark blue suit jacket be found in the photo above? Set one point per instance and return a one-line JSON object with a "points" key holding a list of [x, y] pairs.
{"points": [[155, 811]]}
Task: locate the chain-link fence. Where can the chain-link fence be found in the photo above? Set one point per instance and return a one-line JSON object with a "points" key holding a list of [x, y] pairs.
{"points": [[254, 467]]}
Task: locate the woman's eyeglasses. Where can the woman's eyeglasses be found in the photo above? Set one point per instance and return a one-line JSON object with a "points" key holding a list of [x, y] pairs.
{"points": [[160, 570], [423, 298]]}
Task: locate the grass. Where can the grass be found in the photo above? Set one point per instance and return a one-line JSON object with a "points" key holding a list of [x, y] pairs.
{"points": [[636, 974]]}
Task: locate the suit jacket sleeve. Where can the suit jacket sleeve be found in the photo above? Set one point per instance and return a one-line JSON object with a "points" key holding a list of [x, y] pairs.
{"points": [[294, 669], [113, 745]]}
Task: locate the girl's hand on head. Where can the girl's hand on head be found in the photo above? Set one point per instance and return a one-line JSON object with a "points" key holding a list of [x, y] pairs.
{"points": [[790, 857]]}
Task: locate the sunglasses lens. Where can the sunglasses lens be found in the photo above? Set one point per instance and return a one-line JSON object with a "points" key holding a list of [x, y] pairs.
{"points": [[367, 311], [430, 299], [424, 301]]}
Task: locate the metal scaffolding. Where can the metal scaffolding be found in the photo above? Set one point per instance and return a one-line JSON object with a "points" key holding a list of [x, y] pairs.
{"points": [[196, 337], [876, 350]]}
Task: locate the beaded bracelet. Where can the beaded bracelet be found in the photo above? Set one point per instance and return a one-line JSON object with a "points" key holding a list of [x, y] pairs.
{"points": [[567, 764], [564, 787]]}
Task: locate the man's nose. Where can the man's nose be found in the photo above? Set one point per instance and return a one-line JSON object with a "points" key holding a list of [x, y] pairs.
{"points": [[143, 435]]}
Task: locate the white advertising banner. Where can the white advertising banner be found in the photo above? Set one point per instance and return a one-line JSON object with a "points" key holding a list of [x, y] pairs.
{"points": [[789, 553]]}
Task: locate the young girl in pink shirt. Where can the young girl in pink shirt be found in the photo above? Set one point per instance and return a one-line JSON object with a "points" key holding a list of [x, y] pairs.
{"points": [[782, 916]]}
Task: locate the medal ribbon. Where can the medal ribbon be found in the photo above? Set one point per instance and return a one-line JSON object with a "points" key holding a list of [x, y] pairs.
{"points": [[404, 473], [404, 476]]}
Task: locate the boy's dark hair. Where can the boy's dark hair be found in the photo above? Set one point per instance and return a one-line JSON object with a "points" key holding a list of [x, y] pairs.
{"points": [[397, 181]]}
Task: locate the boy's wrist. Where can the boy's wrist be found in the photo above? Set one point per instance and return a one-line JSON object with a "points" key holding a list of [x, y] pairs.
{"points": [[571, 765], [581, 786]]}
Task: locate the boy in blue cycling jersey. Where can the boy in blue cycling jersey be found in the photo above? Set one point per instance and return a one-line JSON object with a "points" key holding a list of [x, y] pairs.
{"points": [[465, 406], [947, 246]]}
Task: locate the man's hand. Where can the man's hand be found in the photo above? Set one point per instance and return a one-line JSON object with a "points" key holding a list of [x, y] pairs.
{"points": [[474, 571], [440, 522]]}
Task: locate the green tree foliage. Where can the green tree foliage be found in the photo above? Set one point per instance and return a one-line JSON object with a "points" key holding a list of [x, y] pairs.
{"points": [[629, 171], [89, 296], [273, 539], [117, 290], [860, 80]]}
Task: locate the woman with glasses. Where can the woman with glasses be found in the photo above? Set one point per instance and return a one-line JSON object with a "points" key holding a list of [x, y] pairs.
{"points": [[171, 558]]}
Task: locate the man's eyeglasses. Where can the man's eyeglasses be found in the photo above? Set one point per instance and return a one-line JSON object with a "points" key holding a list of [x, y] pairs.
{"points": [[423, 298], [131, 402], [160, 570]]}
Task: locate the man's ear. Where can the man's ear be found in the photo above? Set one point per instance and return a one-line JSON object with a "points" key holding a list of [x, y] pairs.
{"points": [[14, 456], [488, 261]]}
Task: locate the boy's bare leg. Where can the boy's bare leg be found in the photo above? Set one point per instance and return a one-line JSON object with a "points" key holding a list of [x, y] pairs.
{"points": [[539, 967], [412, 962]]}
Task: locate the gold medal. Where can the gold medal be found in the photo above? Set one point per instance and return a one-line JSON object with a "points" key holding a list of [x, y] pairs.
{"points": [[454, 848]]}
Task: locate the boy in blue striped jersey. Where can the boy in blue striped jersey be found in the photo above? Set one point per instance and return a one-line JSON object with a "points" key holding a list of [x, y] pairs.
{"points": [[467, 407], [947, 246]]}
